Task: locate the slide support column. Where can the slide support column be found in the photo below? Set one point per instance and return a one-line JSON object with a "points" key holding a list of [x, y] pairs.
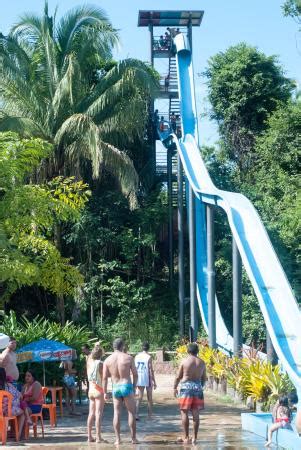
{"points": [[211, 276], [271, 354], [181, 248], [237, 300], [192, 262], [151, 30], [170, 217]]}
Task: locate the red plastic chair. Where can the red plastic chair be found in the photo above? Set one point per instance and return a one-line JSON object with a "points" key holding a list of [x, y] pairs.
{"points": [[4, 420], [50, 406]]}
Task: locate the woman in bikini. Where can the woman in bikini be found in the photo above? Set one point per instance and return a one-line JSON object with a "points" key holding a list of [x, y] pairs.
{"points": [[282, 418], [96, 393]]}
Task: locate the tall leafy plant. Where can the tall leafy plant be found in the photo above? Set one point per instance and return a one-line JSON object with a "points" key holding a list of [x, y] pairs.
{"points": [[26, 331], [28, 215], [58, 82]]}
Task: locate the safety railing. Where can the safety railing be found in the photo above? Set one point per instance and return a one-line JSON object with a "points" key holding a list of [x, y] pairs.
{"points": [[161, 44], [166, 128], [168, 84]]}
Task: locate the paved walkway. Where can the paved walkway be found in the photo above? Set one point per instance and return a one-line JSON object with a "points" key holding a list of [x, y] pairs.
{"points": [[219, 428]]}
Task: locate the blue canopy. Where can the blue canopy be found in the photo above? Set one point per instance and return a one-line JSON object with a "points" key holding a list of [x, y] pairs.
{"points": [[44, 350]]}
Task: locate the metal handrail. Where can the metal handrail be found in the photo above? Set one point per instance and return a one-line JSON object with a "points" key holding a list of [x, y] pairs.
{"points": [[159, 47]]}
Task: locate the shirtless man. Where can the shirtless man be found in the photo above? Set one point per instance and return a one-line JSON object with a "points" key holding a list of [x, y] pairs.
{"points": [[192, 374], [8, 360], [119, 367]]}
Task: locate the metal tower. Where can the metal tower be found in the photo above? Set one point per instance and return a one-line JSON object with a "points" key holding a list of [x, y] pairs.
{"points": [[166, 110]]}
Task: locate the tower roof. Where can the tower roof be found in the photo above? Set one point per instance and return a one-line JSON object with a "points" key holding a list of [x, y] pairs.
{"points": [[170, 18]]}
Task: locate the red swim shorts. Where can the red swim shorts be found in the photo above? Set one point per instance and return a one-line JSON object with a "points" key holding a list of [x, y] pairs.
{"points": [[191, 395]]}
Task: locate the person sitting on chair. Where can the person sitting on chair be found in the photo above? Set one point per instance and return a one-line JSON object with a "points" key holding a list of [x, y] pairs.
{"points": [[6, 385], [32, 396]]}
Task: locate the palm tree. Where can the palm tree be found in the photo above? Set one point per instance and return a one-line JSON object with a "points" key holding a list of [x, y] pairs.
{"points": [[58, 82]]}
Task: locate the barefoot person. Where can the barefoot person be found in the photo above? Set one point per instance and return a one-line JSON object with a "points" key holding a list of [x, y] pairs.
{"points": [[6, 385], [86, 352], [192, 375], [8, 360], [70, 386], [32, 396], [146, 378], [282, 418], [96, 396], [119, 367]]}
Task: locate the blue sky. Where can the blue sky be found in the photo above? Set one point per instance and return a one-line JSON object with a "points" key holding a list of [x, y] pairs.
{"points": [[257, 22]]}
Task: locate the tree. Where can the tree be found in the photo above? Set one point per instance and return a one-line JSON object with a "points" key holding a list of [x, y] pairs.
{"points": [[292, 8], [28, 214], [274, 185], [245, 87], [121, 255], [58, 82]]}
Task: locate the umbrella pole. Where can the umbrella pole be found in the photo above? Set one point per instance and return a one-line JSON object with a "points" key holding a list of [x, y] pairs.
{"points": [[44, 378]]}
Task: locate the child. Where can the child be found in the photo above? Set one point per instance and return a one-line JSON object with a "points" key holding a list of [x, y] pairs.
{"points": [[162, 124], [281, 416]]}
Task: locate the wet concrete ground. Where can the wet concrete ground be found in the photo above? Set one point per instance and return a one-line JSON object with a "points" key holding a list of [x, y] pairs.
{"points": [[219, 428]]}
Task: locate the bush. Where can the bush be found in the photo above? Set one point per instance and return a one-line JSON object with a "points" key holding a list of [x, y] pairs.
{"points": [[26, 331]]}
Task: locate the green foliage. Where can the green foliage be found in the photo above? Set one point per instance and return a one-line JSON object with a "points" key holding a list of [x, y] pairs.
{"points": [[292, 8], [26, 331], [58, 81], [254, 329], [28, 216], [250, 87], [276, 192], [245, 86], [19, 158], [125, 278]]}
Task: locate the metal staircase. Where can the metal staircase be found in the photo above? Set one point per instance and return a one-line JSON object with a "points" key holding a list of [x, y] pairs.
{"points": [[173, 107], [174, 104]]}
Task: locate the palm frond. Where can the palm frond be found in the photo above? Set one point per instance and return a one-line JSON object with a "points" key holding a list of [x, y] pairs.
{"points": [[63, 95], [48, 52], [127, 77], [94, 43], [19, 99], [126, 122], [38, 33], [122, 168], [75, 20], [28, 28], [14, 55], [50, 83], [22, 125], [80, 138]]}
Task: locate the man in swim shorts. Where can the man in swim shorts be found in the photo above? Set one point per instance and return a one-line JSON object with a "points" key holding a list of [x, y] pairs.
{"points": [[119, 366], [192, 375]]}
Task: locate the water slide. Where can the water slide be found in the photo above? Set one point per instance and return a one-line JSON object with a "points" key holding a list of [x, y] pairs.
{"points": [[276, 299]]}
